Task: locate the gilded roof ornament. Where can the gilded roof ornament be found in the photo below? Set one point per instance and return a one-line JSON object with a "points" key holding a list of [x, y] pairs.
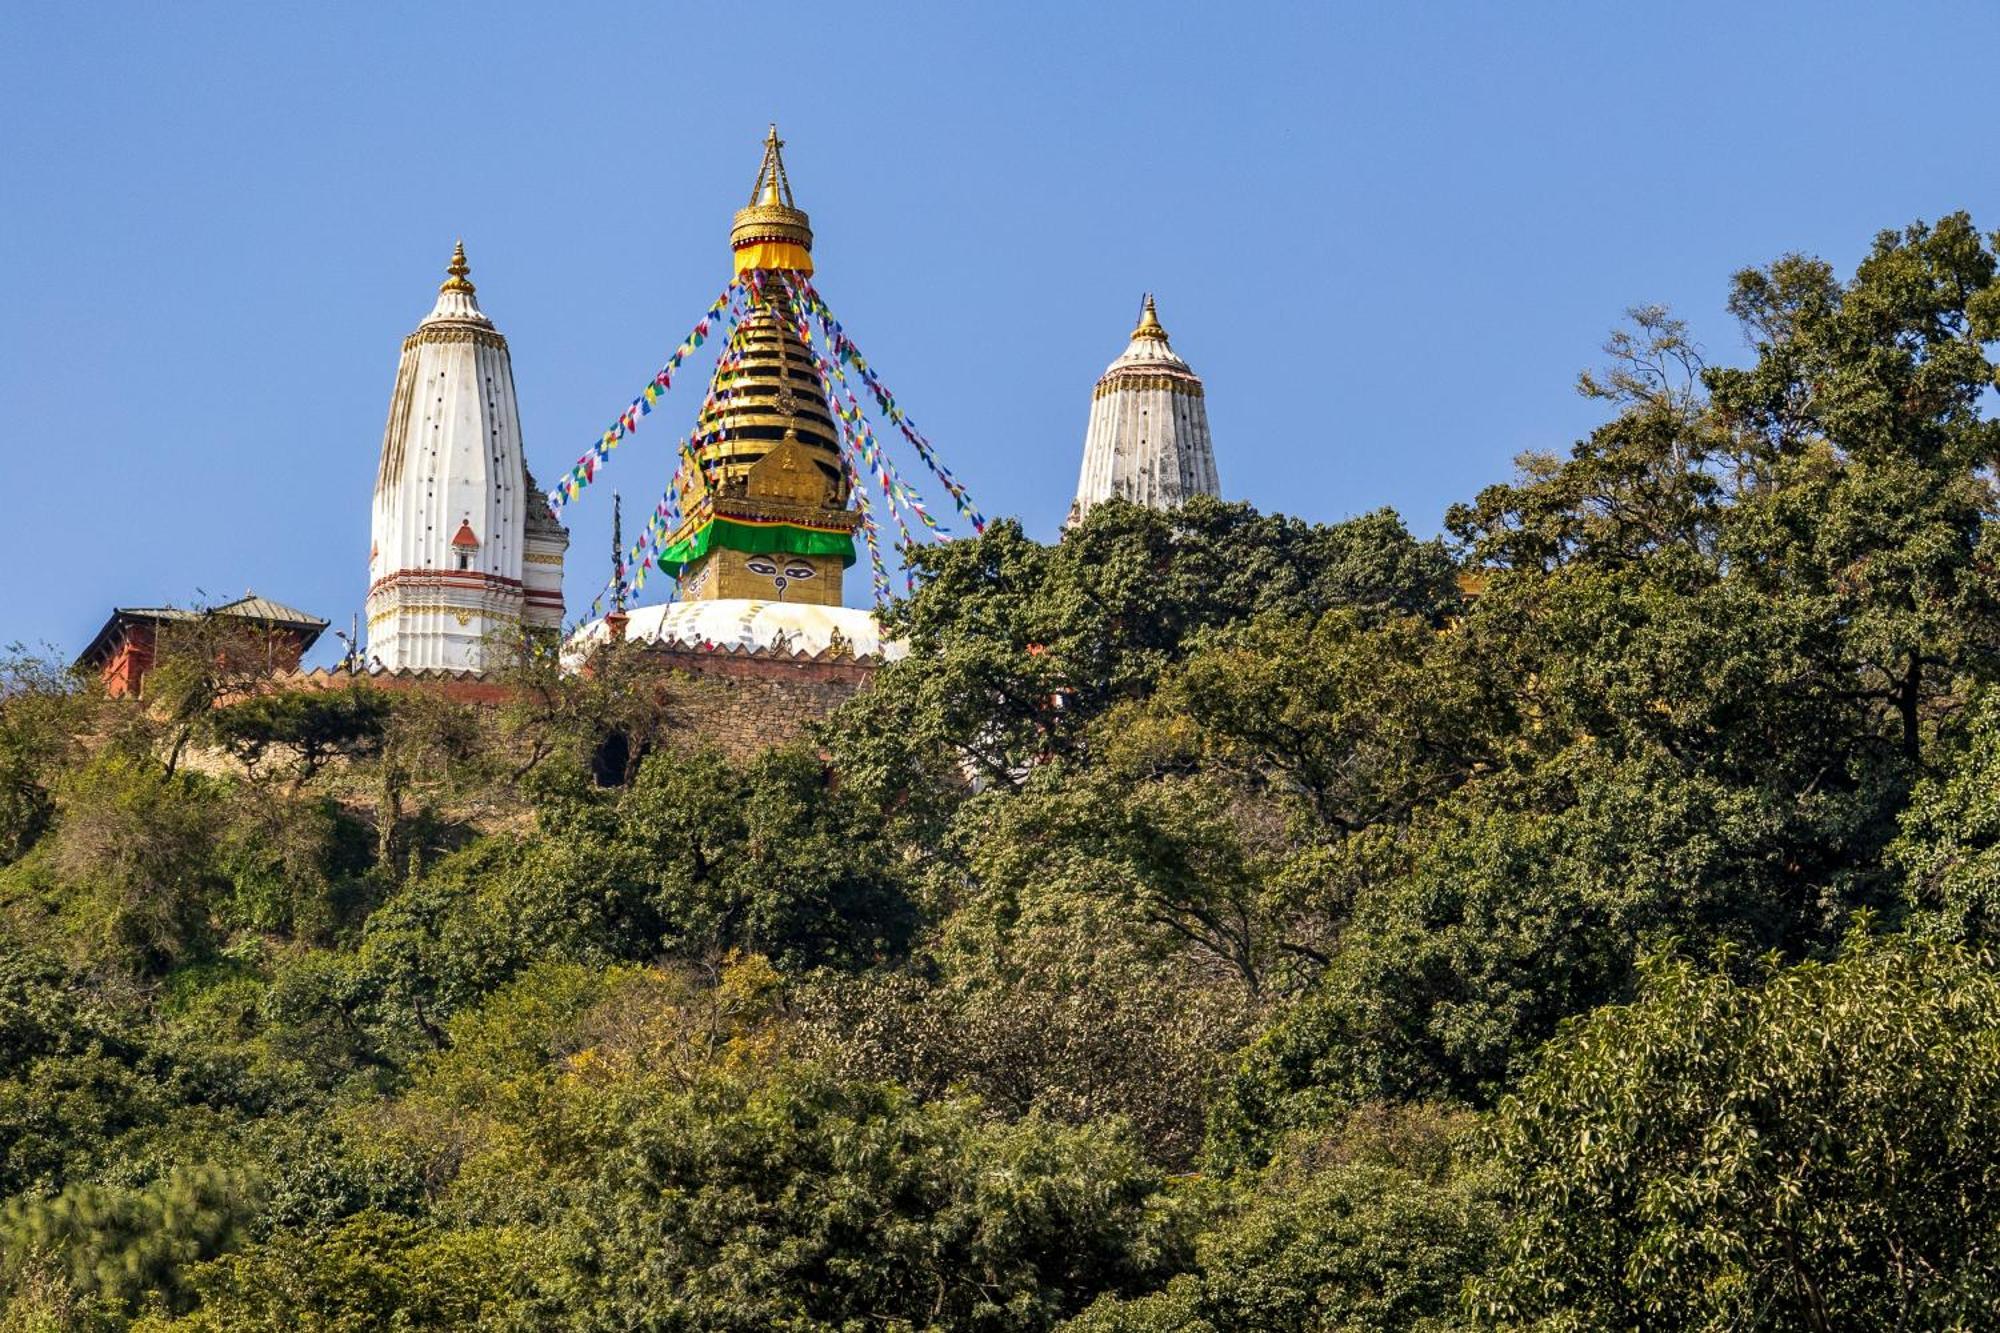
{"points": [[772, 185], [1149, 322], [457, 281], [771, 217]]}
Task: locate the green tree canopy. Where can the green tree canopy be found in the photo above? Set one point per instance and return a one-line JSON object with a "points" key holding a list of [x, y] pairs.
{"points": [[1812, 1151]]}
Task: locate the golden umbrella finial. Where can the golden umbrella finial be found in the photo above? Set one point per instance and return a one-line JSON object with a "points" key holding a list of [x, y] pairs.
{"points": [[458, 268], [772, 232]]}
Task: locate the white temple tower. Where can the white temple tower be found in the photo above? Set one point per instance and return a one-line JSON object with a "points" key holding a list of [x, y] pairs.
{"points": [[465, 550], [1148, 438]]}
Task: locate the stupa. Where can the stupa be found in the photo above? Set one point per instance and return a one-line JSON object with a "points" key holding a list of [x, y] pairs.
{"points": [[766, 514], [767, 527]]}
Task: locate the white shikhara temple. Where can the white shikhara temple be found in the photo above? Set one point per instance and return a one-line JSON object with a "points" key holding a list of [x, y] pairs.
{"points": [[465, 550], [1148, 438]]}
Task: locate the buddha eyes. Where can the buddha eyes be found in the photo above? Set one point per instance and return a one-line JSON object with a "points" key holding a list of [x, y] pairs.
{"points": [[790, 571]]}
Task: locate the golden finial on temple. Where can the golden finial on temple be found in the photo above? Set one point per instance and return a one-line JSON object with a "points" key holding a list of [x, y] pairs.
{"points": [[772, 186], [1149, 322], [457, 281], [772, 232]]}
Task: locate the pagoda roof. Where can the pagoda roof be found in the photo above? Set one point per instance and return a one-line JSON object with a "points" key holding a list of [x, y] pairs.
{"points": [[541, 520], [249, 607]]}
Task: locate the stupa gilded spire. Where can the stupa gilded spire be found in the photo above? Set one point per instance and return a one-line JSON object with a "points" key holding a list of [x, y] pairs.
{"points": [[772, 187], [765, 510], [772, 231]]}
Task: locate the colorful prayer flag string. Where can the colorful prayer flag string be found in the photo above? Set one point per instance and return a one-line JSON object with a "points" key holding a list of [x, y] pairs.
{"points": [[666, 514], [584, 471], [864, 460], [859, 442], [879, 574], [846, 351]]}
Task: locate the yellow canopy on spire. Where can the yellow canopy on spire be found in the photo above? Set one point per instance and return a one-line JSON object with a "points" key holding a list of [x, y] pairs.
{"points": [[772, 232], [773, 254]]}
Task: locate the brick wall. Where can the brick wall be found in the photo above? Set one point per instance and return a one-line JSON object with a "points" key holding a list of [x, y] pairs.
{"points": [[748, 702], [743, 702]]}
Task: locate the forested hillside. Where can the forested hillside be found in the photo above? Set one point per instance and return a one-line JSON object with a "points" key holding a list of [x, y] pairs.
{"points": [[1217, 922]]}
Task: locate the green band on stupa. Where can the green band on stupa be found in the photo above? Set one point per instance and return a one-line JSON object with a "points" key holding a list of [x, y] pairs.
{"points": [[759, 539]]}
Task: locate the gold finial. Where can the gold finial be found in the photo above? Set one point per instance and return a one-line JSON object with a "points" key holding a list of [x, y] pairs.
{"points": [[458, 268], [1149, 322], [772, 187], [772, 231]]}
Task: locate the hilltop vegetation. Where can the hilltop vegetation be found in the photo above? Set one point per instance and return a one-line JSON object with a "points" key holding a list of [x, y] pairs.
{"points": [[1218, 921]]}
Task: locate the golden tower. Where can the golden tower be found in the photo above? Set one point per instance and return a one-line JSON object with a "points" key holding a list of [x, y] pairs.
{"points": [[765, 515]]}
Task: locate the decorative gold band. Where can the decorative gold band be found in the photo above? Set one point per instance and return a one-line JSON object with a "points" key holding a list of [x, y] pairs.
{"points": [[1186, 387], [455, 333]]}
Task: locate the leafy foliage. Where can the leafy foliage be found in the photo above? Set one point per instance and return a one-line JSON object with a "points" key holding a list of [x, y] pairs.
{"points": [[1578, 922], [1809, 1152], [316, 728], [128, 1247]]}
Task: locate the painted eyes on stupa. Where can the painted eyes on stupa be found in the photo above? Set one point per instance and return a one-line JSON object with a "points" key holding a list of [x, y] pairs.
{"points": [[780, 572]]}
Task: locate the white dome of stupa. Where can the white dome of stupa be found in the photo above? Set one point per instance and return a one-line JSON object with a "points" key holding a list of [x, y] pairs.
{"points": [[742, 625]]}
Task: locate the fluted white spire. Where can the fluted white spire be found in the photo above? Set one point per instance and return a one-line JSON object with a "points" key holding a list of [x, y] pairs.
{"points": [[1148, 436], [464, 551]]}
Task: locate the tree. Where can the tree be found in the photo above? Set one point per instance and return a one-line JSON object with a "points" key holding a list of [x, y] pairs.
{"points": [[1655, 479], [1063, 1017], [298, 864], [203, 659], [136, 848], [1808, 1152], [1950, 844], [1860, 424], [804, 1201], [1018, 648], [371, 1271], [768, 858], [132, 1247], [316, 726], [433, 749], [73, 1074], [1375, 1227], [44, 712], [582, 709]]}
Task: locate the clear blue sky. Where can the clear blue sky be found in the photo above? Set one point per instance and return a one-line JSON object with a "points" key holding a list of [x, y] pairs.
{"points": [[1387, 236]]}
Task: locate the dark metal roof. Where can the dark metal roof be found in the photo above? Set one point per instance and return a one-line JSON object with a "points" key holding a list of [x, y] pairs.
{"points": [[251, 607], [542, 520]]}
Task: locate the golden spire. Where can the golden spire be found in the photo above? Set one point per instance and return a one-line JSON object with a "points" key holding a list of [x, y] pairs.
{"points": [[772, 231], [770, 497], [1149, 323], [457, 282], [772, 186]]}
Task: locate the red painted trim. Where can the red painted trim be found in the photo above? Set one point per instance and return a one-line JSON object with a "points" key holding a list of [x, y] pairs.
{"points": [[454, 578]]}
